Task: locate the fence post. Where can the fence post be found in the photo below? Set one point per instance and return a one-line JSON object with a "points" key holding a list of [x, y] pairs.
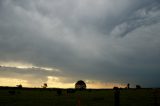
{"points": [[78, 101], [116, 97], [155, 98]]}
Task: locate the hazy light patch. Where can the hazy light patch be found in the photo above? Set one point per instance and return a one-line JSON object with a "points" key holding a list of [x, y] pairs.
{"points": [[53, 78], [13, 82], [26, 66], [56, 83], [46, 68], [50, 69], [99, 85], [16, 64]]}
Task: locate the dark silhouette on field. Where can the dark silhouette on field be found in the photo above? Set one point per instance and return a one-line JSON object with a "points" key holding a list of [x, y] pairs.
{"points": [[115, 88], [12, 92], [71, 91], [138, 87], [59, 92], [156, 95], [116, 97]]}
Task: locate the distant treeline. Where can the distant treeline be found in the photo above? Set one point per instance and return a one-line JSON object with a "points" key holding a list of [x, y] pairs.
{"points": [[28, 88]]}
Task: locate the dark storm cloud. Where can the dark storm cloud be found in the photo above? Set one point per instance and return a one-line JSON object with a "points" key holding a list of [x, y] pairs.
{"points": [[142, 17], [87, 39]]}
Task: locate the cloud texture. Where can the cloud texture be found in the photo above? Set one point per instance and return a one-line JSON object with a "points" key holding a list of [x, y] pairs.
{"points": [[108, 41]]}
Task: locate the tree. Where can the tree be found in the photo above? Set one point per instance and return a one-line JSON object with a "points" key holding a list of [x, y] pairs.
{"points": [[128, 86], [138, 87], [80, 85], [19, 86], [45, 85]]}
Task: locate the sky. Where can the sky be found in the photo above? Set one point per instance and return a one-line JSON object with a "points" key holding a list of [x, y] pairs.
{"points": [[106, 43]]}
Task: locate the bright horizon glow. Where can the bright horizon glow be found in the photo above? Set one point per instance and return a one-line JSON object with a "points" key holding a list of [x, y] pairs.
{"points": [[13, 82], [54, 82]]}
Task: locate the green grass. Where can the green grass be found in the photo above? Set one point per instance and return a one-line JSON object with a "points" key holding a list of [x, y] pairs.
{"points": [[44, 97]]}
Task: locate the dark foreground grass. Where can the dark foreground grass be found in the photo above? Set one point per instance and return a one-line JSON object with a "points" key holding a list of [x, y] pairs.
{"points": [[49, 97]]}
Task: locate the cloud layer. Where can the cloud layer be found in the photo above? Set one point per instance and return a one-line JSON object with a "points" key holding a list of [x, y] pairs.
{"points": [[107, 41]]}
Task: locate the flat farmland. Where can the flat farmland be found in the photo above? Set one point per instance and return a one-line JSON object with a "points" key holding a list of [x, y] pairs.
{"points": [[92, 97]]}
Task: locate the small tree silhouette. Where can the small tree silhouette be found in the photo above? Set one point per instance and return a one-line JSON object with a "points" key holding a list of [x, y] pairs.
{"points": [[138, 87], [19, 86], [45, 85]]}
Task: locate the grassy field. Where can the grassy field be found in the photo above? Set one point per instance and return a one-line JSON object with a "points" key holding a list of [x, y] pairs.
{"points": [[49, 97]]}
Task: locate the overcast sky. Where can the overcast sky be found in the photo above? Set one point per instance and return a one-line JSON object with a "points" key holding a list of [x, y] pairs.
{"points": [[61, 41]]}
